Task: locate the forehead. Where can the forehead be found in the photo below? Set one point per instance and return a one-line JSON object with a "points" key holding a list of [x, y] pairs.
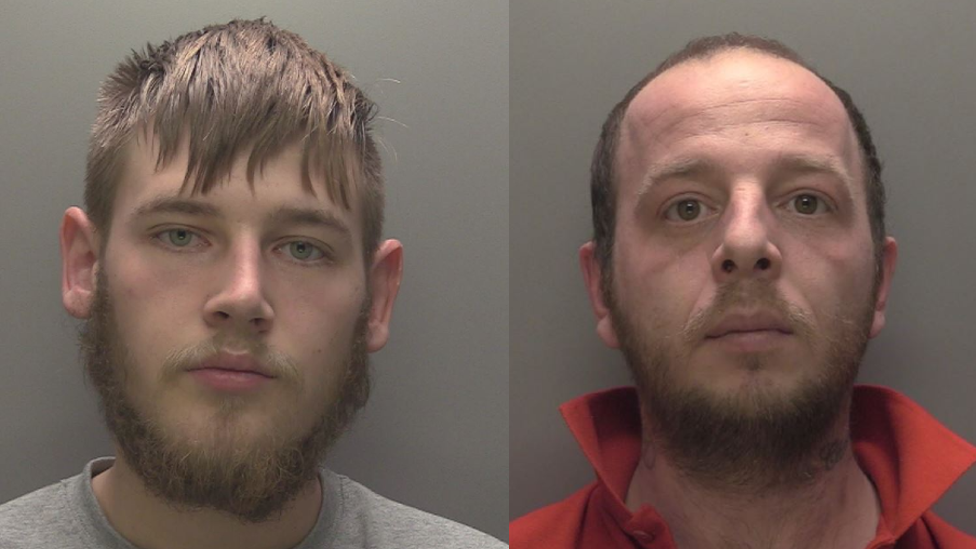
{"points": [[280, 180], [741, 96]]}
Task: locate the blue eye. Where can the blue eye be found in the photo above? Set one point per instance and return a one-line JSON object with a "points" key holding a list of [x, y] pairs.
{"points": [[304, 251], [179, 238]]}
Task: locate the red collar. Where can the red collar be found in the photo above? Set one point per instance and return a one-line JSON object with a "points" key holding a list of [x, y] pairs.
{"points": [[911, 457]]}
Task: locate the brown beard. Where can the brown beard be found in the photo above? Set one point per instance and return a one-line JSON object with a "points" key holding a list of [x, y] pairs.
{"points": [[755, 440], [251, 482]]}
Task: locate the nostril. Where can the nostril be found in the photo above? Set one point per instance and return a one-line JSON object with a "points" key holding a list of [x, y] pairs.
{"points": [[728, 265], [763, 264]]}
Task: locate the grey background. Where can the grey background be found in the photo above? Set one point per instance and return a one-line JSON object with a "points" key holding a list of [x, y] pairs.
{"points": [[435, 434], [908, 64]]}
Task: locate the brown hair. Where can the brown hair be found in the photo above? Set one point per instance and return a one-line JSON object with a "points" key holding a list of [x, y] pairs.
{"points": [[602, 192], [229, 88]]}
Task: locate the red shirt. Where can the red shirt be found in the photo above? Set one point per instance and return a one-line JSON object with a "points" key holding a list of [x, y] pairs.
{"points": [[911, 458]]}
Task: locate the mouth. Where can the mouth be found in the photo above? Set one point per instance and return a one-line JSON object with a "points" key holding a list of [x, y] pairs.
{"points": [[734, 333], [229, 372], [235, 363], [760, 324]]}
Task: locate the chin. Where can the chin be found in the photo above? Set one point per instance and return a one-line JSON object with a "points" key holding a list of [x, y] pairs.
{"points": [[754, 388], [210, 425]]}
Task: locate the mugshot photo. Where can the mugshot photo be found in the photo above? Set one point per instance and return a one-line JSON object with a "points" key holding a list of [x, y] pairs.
{"points": [[256, 270], [724, 217]]}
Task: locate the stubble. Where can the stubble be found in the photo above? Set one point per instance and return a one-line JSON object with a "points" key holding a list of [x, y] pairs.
{"points": [[759, 438], [252, 477]]}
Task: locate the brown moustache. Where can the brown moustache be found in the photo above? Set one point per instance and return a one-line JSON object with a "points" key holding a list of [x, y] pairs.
{"points": [[751, 295], [275, 363]]}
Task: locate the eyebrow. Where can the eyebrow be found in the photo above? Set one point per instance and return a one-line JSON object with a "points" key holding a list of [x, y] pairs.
{"points": [[291, 215], [286, 215], [785, 164], [686, 167], [680, 168], [805, 163], [172, 204]]}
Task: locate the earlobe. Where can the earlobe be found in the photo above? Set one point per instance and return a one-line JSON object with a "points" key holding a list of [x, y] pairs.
{"points": [[888, 263], [384, 282], [593, 278], [79, 262]]}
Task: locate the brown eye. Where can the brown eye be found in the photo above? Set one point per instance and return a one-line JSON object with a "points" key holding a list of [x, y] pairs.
{"points": [[808, 204], [689, 209]]}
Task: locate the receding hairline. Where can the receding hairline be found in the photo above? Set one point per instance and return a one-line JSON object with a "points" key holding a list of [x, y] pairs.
{"points": [[604, 166], [730, 51], [827, 93]]}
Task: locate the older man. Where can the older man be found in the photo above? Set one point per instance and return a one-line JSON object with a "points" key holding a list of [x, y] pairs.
{"points": [[231, 273], [740, 263]]}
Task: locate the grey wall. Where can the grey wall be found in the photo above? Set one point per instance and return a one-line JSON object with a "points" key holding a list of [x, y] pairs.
{"points": [[435, 434], [908, 64]]}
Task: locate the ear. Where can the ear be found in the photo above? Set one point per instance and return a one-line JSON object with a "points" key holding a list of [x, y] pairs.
{"points": [[79, 262], [888, 261], [593, 276], [384, 283]]}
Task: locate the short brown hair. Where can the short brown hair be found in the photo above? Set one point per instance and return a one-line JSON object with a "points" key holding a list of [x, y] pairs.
{"points": [[229, 88], [602, 172]]}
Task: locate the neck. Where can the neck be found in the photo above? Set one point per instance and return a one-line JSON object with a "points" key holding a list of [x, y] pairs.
{"points": [[151, 523], [836, 507]]}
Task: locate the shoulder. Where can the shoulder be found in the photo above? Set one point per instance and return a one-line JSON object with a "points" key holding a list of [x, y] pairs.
{"points": [[386, 523], [555, 526], [940, 533], [38, 519]]}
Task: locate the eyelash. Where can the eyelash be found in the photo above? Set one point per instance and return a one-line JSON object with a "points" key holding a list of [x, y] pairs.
{"points": [[823, 202], [325, 254], [667, 211]]}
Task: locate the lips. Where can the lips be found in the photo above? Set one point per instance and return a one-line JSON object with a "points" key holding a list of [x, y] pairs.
{"points": [[746, 323], [240, 363]]}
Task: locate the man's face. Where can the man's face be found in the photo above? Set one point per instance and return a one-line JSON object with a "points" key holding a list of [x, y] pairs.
{"points": [[265, 278], [743, 276]]}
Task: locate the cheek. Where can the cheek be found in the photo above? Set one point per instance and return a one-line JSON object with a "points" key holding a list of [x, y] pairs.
{"points": [[152, 308], [320, 341], [664, 286], [318, 323], [140, 278], [836, 275]]}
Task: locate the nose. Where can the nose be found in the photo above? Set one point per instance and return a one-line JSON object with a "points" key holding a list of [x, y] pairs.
{"points": [[747, 248], [240, 303]]}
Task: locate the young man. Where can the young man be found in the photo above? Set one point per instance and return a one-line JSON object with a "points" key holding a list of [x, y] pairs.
{"points": [[740, 263], [231, 273]]}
